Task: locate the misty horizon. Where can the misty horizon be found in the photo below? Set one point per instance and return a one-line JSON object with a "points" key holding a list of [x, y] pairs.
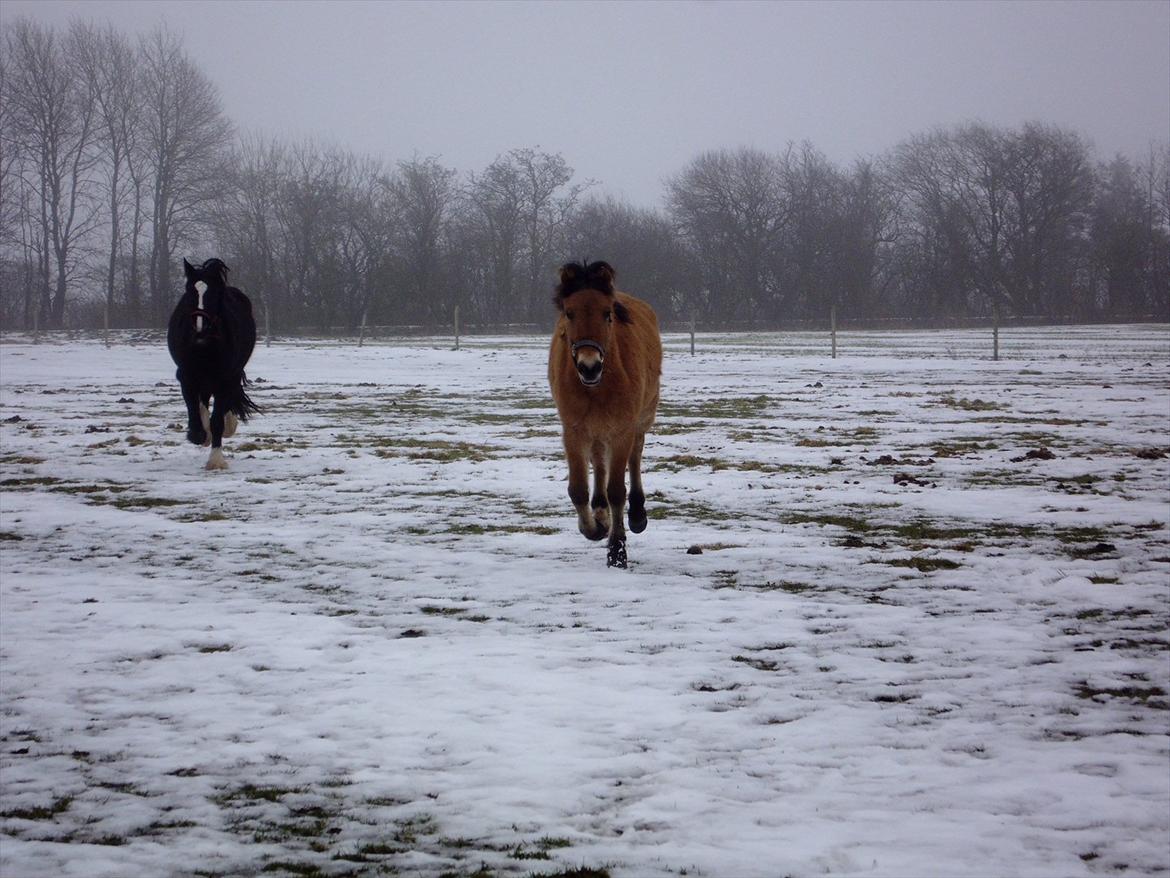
{"points": [[629, 93]]}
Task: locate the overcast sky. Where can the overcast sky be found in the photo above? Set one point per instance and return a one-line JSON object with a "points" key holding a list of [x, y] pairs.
{"points": [[630, 92]]}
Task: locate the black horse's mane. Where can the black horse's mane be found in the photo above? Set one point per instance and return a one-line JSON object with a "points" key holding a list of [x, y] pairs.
{"points": [[216, 267]]}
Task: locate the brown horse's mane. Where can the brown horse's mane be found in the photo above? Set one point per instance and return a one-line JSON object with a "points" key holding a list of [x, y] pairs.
{"points": [[586, 275]]}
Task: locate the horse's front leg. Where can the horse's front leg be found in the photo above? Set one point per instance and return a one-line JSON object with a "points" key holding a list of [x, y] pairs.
{"points": [[600, 501], [579, 489], [196, 431], [216, 460], [637, 495], [616, 493], [205, 417]]}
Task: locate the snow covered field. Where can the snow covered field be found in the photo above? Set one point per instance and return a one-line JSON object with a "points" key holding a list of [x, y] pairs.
{"points": [[926, 635]]}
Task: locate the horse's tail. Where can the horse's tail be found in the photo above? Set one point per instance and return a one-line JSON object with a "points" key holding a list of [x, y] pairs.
{"points": [[241, 403]]}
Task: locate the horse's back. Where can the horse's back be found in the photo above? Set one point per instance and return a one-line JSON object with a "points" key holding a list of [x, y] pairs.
{"points": [[243, 324], [642, 348]]}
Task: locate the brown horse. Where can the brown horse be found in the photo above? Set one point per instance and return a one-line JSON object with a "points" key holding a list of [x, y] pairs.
{"points": [[604, 366]]}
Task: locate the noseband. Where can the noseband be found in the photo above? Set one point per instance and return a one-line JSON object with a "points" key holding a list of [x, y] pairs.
{"points": [[588, 343]]}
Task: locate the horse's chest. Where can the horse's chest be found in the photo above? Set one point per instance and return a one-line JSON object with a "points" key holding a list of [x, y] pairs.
{"points": [[598, 414]]}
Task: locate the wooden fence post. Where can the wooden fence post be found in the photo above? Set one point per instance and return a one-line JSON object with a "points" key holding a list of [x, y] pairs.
{"points": [[37, 324], [456, 327], [995, 335], [362, 331], [833, 329], [267, 324], [106, 321], [693, 320]]}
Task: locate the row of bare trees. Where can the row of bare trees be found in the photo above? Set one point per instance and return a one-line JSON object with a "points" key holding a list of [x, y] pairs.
{"points": [[116, 160], [109, 157], [971, 221]]}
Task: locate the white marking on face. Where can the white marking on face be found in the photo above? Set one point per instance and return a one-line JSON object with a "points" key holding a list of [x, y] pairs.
{"points": [[200, 289]]}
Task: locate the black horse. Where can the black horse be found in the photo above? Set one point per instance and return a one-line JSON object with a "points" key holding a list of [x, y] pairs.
{"points": [[210, 337]]}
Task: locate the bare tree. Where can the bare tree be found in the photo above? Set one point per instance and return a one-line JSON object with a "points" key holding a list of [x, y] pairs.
{"points": [[53, 128], [730, 207], [186, 137], [246, 217], [498, 196], [422, 194], [110, 72]]}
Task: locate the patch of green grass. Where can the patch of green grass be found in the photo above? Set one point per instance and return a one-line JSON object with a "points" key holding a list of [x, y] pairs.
{"points": [[1150, 696], [689, 509], [144, 502], [723, 408], [59, 806], [676, 428], [410, 829], [28, 482], [922, 564], [548, 843], [849, 522], [473, 529], [304, 870], [961, 448], [252, 793], [438, 450], [970, 405], [678, 462], [838, 438]]}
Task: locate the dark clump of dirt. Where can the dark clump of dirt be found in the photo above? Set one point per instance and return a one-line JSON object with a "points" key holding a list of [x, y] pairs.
{"points": [[904, 479], [1041, 453], [1090, 551], [695, 550], [889, 460]]}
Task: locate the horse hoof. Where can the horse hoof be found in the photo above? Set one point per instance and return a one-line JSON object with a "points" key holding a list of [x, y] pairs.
{"points": [[197, 437], [617, 556], [637, 520], [216, 460], [599, 531]]}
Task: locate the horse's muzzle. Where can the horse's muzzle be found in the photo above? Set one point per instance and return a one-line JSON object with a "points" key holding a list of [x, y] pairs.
{"points": [[589, 358], [590, 374]]}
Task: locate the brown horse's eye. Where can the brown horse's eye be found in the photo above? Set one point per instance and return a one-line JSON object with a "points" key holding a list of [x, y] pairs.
{"points": [[569, 314], [608, 316]]}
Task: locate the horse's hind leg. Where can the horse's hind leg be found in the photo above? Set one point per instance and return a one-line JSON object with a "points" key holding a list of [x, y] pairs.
{"points": [[637, 495], [230, 423], [616, 494], [216, 460]]}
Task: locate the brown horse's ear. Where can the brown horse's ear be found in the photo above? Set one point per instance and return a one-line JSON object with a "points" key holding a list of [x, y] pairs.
{"points": [[601, 276], [569, 272], [622, 313]]}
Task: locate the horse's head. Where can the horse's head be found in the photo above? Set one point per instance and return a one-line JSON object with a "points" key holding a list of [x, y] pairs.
{"points": [[585, 297], [208, 283]]}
